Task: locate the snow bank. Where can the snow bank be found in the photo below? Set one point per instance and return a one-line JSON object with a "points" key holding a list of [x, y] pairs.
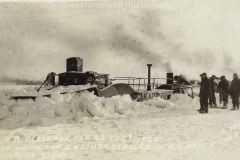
{"points": [[73, 107], [183, 100]]}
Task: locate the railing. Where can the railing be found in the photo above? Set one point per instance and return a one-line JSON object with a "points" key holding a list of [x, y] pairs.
{"points": [[140, 83]]}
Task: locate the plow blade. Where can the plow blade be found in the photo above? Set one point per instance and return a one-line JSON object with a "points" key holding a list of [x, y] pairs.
{"points": [[116, 89], [91, 89], [110, 91]]}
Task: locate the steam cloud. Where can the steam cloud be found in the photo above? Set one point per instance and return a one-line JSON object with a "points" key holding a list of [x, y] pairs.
{"points": [[110, 41]]}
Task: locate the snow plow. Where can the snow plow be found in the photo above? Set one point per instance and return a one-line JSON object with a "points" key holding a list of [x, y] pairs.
{"points": [[74, 80]]}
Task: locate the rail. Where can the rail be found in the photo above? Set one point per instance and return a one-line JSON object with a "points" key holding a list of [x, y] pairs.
{"points": [[138, 83]]}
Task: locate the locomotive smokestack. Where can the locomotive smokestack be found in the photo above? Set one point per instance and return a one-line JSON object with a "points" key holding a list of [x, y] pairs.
{"points": [[149, 76], [169, 78]]}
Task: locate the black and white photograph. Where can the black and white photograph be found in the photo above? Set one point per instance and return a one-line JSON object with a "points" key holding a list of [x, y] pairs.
{"points": [[119, 80]]}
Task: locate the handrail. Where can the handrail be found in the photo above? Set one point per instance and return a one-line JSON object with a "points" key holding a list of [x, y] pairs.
{"points": [[127, 78], [131, 81]]}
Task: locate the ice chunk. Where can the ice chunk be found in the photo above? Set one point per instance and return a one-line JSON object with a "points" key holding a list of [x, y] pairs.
{"points": [[173, 98], [119, 107], [57, 97], [90, 106], [86, 113], [3, 111], [4, 100], [20, 111], [25, 123], [63, 112], [50, 113], [11, 122], [79, 116], [158, 102], [110, 106]]}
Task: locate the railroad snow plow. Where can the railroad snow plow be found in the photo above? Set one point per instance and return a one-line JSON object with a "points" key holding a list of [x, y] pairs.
{"points": [[74, 80]]}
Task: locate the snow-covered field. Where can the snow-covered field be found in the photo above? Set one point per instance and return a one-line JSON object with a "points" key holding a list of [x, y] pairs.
{"points": [[63, 128]]}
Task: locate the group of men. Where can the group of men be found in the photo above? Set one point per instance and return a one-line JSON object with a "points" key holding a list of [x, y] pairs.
{"points": [[207, 92]]}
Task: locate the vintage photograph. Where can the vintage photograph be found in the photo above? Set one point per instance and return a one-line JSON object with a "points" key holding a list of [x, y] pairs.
{"points": [[119, 80]]}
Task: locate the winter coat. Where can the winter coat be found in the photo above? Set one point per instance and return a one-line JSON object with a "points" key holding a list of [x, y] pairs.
{"points": [[205, 88], [234, 88], [223, 85]]}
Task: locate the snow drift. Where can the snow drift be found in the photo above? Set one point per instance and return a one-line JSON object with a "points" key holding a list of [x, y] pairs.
{"points": [[73, 107]]}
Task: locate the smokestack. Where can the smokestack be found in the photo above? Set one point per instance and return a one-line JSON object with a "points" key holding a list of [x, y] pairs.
{"points": [[149, 76], [169, 78]]}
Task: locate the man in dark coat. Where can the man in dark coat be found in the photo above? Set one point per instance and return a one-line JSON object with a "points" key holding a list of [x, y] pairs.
{"points": [[223, 91], [200, 100], [205, 91], [234, 91], [212, 98]]}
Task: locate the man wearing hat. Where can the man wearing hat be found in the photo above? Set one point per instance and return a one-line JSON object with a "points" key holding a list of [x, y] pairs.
{"points": [[223, 91], [212, 98], [205, 91], [234, 91]]}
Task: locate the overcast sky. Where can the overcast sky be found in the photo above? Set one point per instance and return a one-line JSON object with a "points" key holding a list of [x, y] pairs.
{"points": [[190, 37]]}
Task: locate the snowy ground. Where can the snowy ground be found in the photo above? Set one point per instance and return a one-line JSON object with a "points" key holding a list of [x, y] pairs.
{"points": [[172, 132]]}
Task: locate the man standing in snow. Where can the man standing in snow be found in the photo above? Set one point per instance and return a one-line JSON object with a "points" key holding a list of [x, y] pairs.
{"points": [[205, 91], [212, 98], [234, 91], [223, 91], [200, 100]]}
